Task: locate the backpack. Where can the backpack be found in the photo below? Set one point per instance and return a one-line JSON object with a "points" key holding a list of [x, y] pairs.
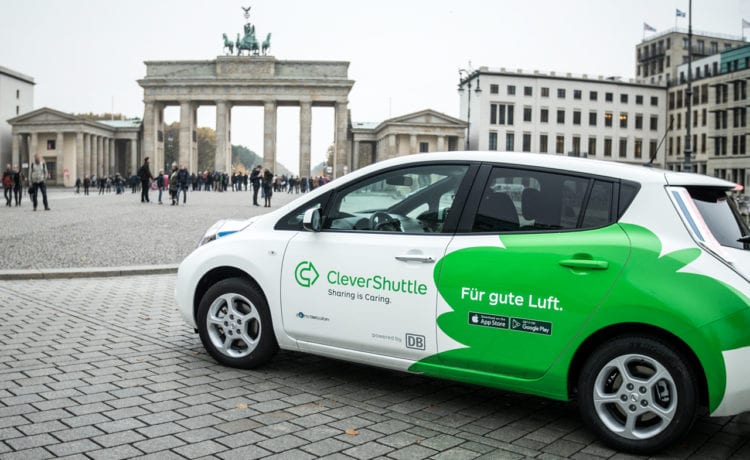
{"points": [[7, 181]]}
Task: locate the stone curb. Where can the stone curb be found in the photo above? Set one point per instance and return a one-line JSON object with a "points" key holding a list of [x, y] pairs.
{"points": [[94, 272]]}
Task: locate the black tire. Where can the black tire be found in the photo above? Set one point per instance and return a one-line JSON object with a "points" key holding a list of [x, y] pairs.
{"points": [[662, 409], [241, 336]]}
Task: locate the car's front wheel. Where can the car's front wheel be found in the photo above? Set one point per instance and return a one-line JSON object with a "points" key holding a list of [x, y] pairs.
{"points": [[234, 324], [638, 394]]}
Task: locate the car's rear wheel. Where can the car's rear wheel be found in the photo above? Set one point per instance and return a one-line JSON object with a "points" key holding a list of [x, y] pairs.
{"points": [[638, 394], [234, 324]]}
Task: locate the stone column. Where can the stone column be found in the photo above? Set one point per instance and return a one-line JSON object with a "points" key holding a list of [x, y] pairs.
{"points": [[99, 156], [60, 178], [105, 162], [79, 156], [305, 137], [391, 149], [34, 147], [269, 135], [187, 126], [441, 144], [341, 157], [413, 144], [88, 149], [15, 149], [134, 157], [355, 155], [152, 125], [221, 162], [112, 164]]}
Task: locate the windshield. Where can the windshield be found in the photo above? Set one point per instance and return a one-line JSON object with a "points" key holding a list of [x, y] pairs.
{"points": [[721, 216]]}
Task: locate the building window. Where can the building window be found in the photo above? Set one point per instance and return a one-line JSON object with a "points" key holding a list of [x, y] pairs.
{"points": [[511, 90], [542, 143], [671, 101], [607, 147], [493, 141], [577, 94], [639, 121], [653, 122], [493, 114], [703, 117], [509, 141], [504, 114], [609, 97], [51, 144], [704, 94], [670, 145], [592, 118], [494, 89], [560, 144], [544, 116], [679, 100], [639, 99], [424, 147], [623, 120], [561, 93], [608, 119], [527, 114], [592, 147], [638, 148], [623, 98], [577, 146], [652, 149], [593, 95], [623, 152], [678, 148], [18, 94], [17, 110], [526, 142], [576, 117], [560, 116], [703, 143], [510, 114], [527, 91], [679, 120], [545, 92]]}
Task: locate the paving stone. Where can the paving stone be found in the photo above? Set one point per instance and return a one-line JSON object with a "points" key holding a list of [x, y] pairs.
{"points": [[159, 444], [282, 443], [325, 447], [414, 452], [368, 450], [115, 453], [121, 437], [201, 449], [73, 447]]}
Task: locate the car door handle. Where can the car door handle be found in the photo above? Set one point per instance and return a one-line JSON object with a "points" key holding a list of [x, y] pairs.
{"points": [[585, 263], [411, 258]]}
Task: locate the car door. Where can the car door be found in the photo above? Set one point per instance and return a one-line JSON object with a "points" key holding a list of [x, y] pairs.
{"points": [[534, 261], [365, 282]]}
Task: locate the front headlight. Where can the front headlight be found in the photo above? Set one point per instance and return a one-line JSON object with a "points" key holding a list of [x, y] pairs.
{"points": [[211, 233]]}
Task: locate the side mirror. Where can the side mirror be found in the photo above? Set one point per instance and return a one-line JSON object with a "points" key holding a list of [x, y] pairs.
{"points": [[311, 220]]}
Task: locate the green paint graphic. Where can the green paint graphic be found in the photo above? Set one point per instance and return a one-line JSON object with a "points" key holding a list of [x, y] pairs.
{"points": [[586, 273]]}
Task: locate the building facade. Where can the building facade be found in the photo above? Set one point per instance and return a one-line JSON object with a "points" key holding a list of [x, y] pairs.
{"points": [[16, 97], [600, 118], [75, 147], [658, 57], [418, 132]]}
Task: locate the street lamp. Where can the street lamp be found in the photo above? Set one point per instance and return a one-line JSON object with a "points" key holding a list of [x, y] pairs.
{"points": [[465, 77]]}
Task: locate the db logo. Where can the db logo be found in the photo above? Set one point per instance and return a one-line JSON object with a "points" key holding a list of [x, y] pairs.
{"points": [[415, 341]]}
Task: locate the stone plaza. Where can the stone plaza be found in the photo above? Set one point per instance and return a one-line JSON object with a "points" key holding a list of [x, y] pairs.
{"points": [[103, 367]]}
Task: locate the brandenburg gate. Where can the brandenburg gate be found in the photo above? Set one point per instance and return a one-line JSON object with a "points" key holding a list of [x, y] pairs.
{"points": [[230, 81]]}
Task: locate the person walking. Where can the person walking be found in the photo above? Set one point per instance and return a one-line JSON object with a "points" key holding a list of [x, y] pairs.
{"points": [[38, 176], [18, 181], [267, 188], [174, 185], [255, 182], [144, 173], [8, 184], [182, 180], [160, 184]]}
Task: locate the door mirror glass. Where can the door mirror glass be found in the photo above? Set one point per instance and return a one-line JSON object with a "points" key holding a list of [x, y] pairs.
{"points": [[311, 220]]}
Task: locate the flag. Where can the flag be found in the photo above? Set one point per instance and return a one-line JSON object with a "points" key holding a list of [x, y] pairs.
{"points": [[648, 28], [745, 23], [680, 14]]}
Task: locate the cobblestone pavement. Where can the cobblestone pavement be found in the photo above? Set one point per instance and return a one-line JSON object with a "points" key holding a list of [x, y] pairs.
{"points": [[104, 368], [115, 230]]}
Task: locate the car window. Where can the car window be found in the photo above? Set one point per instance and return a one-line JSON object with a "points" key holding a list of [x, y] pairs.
{"points": [[721, 216], [598, 209], [293, 220], [416, 199], [527, 200]]}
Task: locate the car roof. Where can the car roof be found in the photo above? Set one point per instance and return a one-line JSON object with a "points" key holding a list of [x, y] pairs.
{"points": [[642, 174]]}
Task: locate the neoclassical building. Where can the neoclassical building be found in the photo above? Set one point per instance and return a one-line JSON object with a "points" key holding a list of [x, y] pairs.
{"points": [[418, 132], [75, 147]]}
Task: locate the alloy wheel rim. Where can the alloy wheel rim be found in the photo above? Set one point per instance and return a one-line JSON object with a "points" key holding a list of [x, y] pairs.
{"points": [[234, 325]]}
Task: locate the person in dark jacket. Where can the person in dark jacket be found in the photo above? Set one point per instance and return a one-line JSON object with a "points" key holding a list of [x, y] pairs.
{"points": [[144, 173], [267, 188], [160, 184], [183, 178], [255, 182]]}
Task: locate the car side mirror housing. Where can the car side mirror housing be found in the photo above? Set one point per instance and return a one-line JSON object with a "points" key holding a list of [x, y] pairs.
{"points": [[311, 220]]}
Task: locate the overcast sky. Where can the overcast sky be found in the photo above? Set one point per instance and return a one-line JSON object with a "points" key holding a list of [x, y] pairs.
{"points": [[86, 55]]}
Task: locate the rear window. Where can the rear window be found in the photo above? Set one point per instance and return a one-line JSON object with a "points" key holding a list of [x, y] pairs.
{"points": [[721, 216]]}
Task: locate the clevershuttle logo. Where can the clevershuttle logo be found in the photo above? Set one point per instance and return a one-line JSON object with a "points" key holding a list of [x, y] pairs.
{"points": [[305, 274]]}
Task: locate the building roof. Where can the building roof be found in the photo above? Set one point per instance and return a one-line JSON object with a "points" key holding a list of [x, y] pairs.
{"points": [[17, 75], [122, 124], [552, 75]]}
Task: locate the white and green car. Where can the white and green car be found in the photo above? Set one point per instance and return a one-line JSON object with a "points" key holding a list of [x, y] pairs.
{"points": [[623, 287]]}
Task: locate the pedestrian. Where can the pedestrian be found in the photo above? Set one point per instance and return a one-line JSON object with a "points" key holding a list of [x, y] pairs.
{"points": [[174, 185], [86, 184], [78, 185], [255, 182], [144, 173], [160, 183], [182, 180], [8, 184], [18, 181], [38, 176], [267, 188]]}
